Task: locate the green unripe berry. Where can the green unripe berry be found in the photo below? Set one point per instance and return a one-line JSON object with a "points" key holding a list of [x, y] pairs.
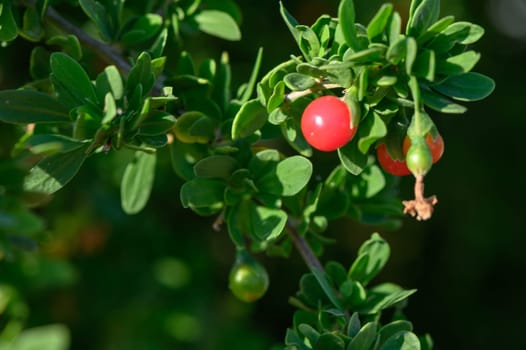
{"points": [[248, 279], [419, 158]]}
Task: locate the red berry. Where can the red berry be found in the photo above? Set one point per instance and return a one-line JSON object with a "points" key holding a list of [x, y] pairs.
{"points": [[399, 167], [436, 146], [326, 123], [389, 164]]}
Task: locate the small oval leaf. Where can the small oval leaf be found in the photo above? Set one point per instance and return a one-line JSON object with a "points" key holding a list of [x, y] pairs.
{"points": [[250, 118], [219, 24], [28, 106], [137, 182]]}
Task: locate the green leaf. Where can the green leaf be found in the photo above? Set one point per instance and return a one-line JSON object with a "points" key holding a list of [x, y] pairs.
{"points": [[110, 81], [143, 28], [216, 166], [57, 143], [374, 128], [110, 109], [8, 28], [466, 87], [49, 337], [372, 257], [201, 193], [184, 156], [185, 64], [458, 64], [329, 341], [158, 65], [72, 77], [299, 82], [386, 80], [21, 221], [153, 141], [309, 332], [194, 127], [327, 287], [277, 97], [424, 15], [219, 24], [397, 51], [137, 182], [31, 28], [365, 338], [425, 64], [267, 223], [222, 81], [294, 342], [291, 175], [354, 325], [378, 23], [309, 43], [440, 103], [402, 341], [264, 162], [250, 118], [435, 29], [394, 28], [69, 43], [249, 89], [236, 218], [28, 106], [291, 130], [97, 13], [346, 17], [412, 51], [157, 48], [141, 74], [157, 123], [290, 22], [39, 63], [393, 328], [426, 342], [367, 55], [457, 33], [351, 158], [413, 7], [338, 73], [384, 296], [370, 183], [54, 172]]}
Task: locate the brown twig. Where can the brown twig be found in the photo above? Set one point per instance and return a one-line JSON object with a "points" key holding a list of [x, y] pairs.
{"points": [[420, 207], [304, 248], [105, 51]]}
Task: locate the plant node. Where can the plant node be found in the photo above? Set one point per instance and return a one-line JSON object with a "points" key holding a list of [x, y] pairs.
{"points": [[420, 207]]}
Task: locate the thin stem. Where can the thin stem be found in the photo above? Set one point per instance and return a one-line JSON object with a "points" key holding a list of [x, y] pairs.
{"points": [[105, 51], [297, 94], [304, 248], [419, 187]]}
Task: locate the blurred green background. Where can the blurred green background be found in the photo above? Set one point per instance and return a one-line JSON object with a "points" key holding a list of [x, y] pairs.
{"points": [[158, 280]]}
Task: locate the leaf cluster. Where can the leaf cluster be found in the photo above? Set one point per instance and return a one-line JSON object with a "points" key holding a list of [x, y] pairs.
{"points": [[338, 310], [381, 71], [225, 142]]}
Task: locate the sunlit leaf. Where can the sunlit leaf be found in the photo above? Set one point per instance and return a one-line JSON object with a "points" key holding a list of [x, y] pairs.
{"points": [[137, 182], [54, 172], [28, 106], [219, 24]]}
